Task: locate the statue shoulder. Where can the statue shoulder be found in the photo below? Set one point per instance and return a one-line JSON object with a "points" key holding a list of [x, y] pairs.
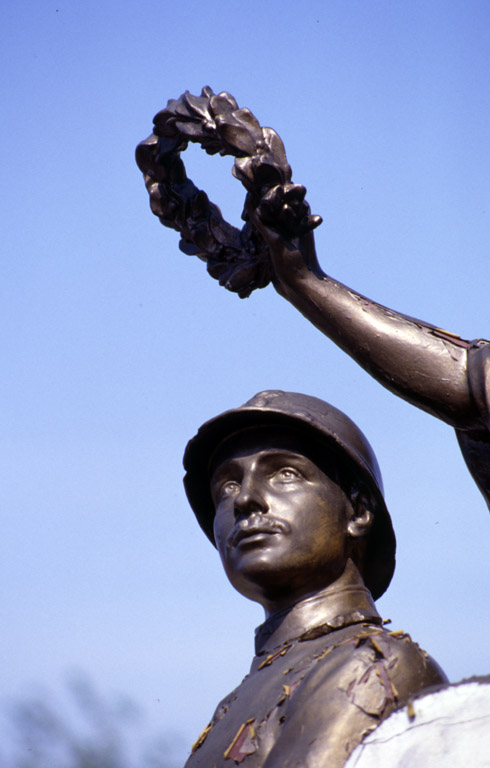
{"points": [[374, 669], [410, 669], [361, 674]]}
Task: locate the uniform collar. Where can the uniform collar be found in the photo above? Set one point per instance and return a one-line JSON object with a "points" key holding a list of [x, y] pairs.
{"points": [[320, 614]]}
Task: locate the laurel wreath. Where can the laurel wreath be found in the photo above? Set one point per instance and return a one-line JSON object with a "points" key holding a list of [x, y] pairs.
{"points": [[238, 259]]}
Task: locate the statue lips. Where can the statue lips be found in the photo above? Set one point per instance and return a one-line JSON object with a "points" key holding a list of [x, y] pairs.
{"points": [[256, 525]]}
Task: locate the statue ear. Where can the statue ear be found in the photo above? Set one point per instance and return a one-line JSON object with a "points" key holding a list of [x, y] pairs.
{"points": [[361, 516]]}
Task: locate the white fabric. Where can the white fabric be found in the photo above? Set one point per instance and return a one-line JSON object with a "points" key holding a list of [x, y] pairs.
{"points": [[450, 729]]}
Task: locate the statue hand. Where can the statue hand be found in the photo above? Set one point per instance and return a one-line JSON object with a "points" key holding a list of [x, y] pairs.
{"points": [[282, 219]]}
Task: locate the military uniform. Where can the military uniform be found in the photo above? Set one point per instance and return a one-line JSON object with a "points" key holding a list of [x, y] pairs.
{"points": [[319, 682], [326, 670]]}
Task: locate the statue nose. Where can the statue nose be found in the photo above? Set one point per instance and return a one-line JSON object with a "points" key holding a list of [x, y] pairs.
{"points": [[250, 498]]}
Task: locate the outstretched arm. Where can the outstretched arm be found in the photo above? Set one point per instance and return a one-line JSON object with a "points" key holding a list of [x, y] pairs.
{"points": [[417, 361]]}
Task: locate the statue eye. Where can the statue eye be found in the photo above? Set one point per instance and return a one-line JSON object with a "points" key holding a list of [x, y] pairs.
{"points": [[288, 475], [229, 488]]}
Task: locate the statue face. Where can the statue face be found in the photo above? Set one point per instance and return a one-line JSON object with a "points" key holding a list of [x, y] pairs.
{"points": [[281, 522]]}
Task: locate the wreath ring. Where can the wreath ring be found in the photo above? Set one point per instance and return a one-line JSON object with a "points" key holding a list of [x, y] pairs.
{"points": [[239, 259]]}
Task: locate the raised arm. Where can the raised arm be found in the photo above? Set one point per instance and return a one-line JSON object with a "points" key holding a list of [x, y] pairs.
{"points": [[421, 363], [417, 361]]}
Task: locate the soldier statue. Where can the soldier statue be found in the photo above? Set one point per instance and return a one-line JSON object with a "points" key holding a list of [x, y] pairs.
{"points": [[286, 486], [289, 491]]}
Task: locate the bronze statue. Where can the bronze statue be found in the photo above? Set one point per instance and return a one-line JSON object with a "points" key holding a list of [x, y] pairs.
{"points": [[434, 369], [289, 491], [286, 486]]}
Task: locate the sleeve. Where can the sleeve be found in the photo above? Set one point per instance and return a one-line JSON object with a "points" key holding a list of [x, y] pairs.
{"points": [[475, 444], [479, 378]]}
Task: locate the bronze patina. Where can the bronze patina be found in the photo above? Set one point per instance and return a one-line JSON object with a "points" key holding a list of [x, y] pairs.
{"points": [[286, 487], [434, 369], [239, 259], [438, 371], [289, 491]]}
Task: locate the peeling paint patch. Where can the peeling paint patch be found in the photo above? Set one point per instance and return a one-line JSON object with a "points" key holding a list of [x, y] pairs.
{"points": [[373, 690], [273, 656], [243, 743], [201, 738]]}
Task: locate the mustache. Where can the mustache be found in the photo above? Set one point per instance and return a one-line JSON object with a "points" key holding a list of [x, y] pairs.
{"points": [[257, 524]]}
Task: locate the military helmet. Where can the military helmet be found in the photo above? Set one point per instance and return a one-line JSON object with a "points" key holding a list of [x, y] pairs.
{"points": [[324, 424]]}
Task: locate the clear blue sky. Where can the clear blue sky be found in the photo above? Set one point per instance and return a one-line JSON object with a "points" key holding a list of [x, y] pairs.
{"points": [[116, 346]]}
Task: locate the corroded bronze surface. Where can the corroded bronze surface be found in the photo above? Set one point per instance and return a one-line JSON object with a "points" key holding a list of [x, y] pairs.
{"points": [[289, 491], [311, 701]]}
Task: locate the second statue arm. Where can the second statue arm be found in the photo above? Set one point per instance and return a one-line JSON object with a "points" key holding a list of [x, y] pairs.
{"points": [[417, 361]]}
